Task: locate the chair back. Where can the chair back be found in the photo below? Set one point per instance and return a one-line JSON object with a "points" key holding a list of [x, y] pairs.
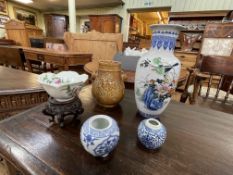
{"points": [[217, 39], [220, 66], [11, 56], [103, 46]]}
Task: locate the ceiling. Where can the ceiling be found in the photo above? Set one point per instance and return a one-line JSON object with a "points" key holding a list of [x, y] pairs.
{"points": [[56, 5]]}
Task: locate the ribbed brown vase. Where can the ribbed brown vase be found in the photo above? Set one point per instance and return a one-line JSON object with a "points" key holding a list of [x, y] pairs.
{"points": [[108, 86]]}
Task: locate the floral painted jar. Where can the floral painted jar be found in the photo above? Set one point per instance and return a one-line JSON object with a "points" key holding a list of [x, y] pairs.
{"points": [[151, 133], [157, 72], [99, 135]]}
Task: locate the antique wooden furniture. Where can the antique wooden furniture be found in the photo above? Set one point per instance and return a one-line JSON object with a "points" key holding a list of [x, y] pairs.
{"points": [[187, 59], [19, 90], [103, 46], [12, 56], [60, 58], [56, 25], [213, 66], [199, 142], [7, 42], [110, 23], [217, 41], [20, 32]]}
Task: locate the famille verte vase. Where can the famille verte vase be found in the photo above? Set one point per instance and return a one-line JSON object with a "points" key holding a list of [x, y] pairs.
{"points": [[157, 71], [151, 133], [108, 86], [99, 135]]}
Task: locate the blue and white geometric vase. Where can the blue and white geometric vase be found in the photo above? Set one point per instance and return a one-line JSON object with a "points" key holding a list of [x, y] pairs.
{"points": [[157, 71], [99, 135], [151, 133]]}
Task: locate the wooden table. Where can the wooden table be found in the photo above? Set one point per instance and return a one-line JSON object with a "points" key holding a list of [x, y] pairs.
{"points": [[93, 67], [19, 90], [199, 141], [60, 58]]}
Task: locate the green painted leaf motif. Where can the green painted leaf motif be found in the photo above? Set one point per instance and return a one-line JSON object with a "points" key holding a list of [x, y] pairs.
{"points": [[138, 93], [157, 61], [160, 70], [68, 89]]}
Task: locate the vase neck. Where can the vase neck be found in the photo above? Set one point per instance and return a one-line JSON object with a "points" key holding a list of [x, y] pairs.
{"points": [[164, 40]]}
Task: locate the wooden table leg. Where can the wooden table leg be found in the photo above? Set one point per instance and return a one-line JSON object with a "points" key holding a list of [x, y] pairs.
{"points": [[29, 65]]}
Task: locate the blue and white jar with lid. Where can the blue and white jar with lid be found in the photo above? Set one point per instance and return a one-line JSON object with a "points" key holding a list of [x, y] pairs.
{"points": [[157, 71]]}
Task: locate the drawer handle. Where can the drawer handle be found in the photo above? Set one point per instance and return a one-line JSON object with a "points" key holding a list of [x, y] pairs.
{"points": [[182, 56], [40, 57]]}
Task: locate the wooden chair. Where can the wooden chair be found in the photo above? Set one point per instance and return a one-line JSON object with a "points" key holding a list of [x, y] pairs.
{"points": [[102, 46], [11, 56], [212, 95], [217, 41]]}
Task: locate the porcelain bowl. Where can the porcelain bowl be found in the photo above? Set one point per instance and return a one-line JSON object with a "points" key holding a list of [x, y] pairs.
{"points": [[63, 85]]}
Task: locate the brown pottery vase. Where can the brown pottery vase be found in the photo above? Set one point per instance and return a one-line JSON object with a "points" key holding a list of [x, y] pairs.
{"points": [[108, 86]]}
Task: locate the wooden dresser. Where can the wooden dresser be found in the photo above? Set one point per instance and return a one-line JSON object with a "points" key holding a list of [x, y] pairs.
{"points": [[106, 23], [20, 32]]}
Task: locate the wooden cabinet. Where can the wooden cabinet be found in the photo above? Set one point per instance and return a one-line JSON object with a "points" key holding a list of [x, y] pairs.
{"points": [[56, 25], [20, 32], [106, 23]]}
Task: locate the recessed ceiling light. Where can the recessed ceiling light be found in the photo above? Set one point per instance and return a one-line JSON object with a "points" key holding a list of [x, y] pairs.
{"points": [[25, 1]]}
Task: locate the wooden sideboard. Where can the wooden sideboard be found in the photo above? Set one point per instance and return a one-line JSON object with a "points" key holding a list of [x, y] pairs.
{"points": [[20, 32], [19, 90]]}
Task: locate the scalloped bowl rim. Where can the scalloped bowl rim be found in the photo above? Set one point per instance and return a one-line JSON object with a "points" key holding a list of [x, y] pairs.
{"points": [[57, 86]]}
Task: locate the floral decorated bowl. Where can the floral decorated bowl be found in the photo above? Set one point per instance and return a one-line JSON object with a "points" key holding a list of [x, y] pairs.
{"points": [[63, 85]]}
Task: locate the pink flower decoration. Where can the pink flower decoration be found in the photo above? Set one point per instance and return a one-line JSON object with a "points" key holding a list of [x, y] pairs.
{"points": [[57, 81]]}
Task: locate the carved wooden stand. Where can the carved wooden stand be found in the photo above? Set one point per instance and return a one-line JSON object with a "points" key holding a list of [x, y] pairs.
{"points": [[63, 109]]}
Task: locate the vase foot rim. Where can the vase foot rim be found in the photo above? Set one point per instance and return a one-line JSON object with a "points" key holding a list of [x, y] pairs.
{"points": [[148, 115]]}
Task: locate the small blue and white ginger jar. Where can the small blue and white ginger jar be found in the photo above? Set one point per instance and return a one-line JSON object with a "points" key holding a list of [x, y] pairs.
{"points": [[151, 133], [99, 135]]}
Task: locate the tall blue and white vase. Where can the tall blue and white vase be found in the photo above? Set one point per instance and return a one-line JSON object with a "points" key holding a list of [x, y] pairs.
{"points": [[157, 71], [99, 135]]}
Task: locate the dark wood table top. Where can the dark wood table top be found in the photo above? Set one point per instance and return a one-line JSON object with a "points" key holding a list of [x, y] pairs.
{"points": [[199, 141], [17, 81]]}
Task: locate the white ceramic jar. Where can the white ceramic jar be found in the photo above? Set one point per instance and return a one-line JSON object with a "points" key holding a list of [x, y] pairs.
{"points": [[157, 71], [151, 133], [99, 135]]}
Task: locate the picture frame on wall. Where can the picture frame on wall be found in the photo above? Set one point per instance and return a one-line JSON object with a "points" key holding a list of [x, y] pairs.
{"points": [[3, 7], [25, 15], [3, 20]]}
